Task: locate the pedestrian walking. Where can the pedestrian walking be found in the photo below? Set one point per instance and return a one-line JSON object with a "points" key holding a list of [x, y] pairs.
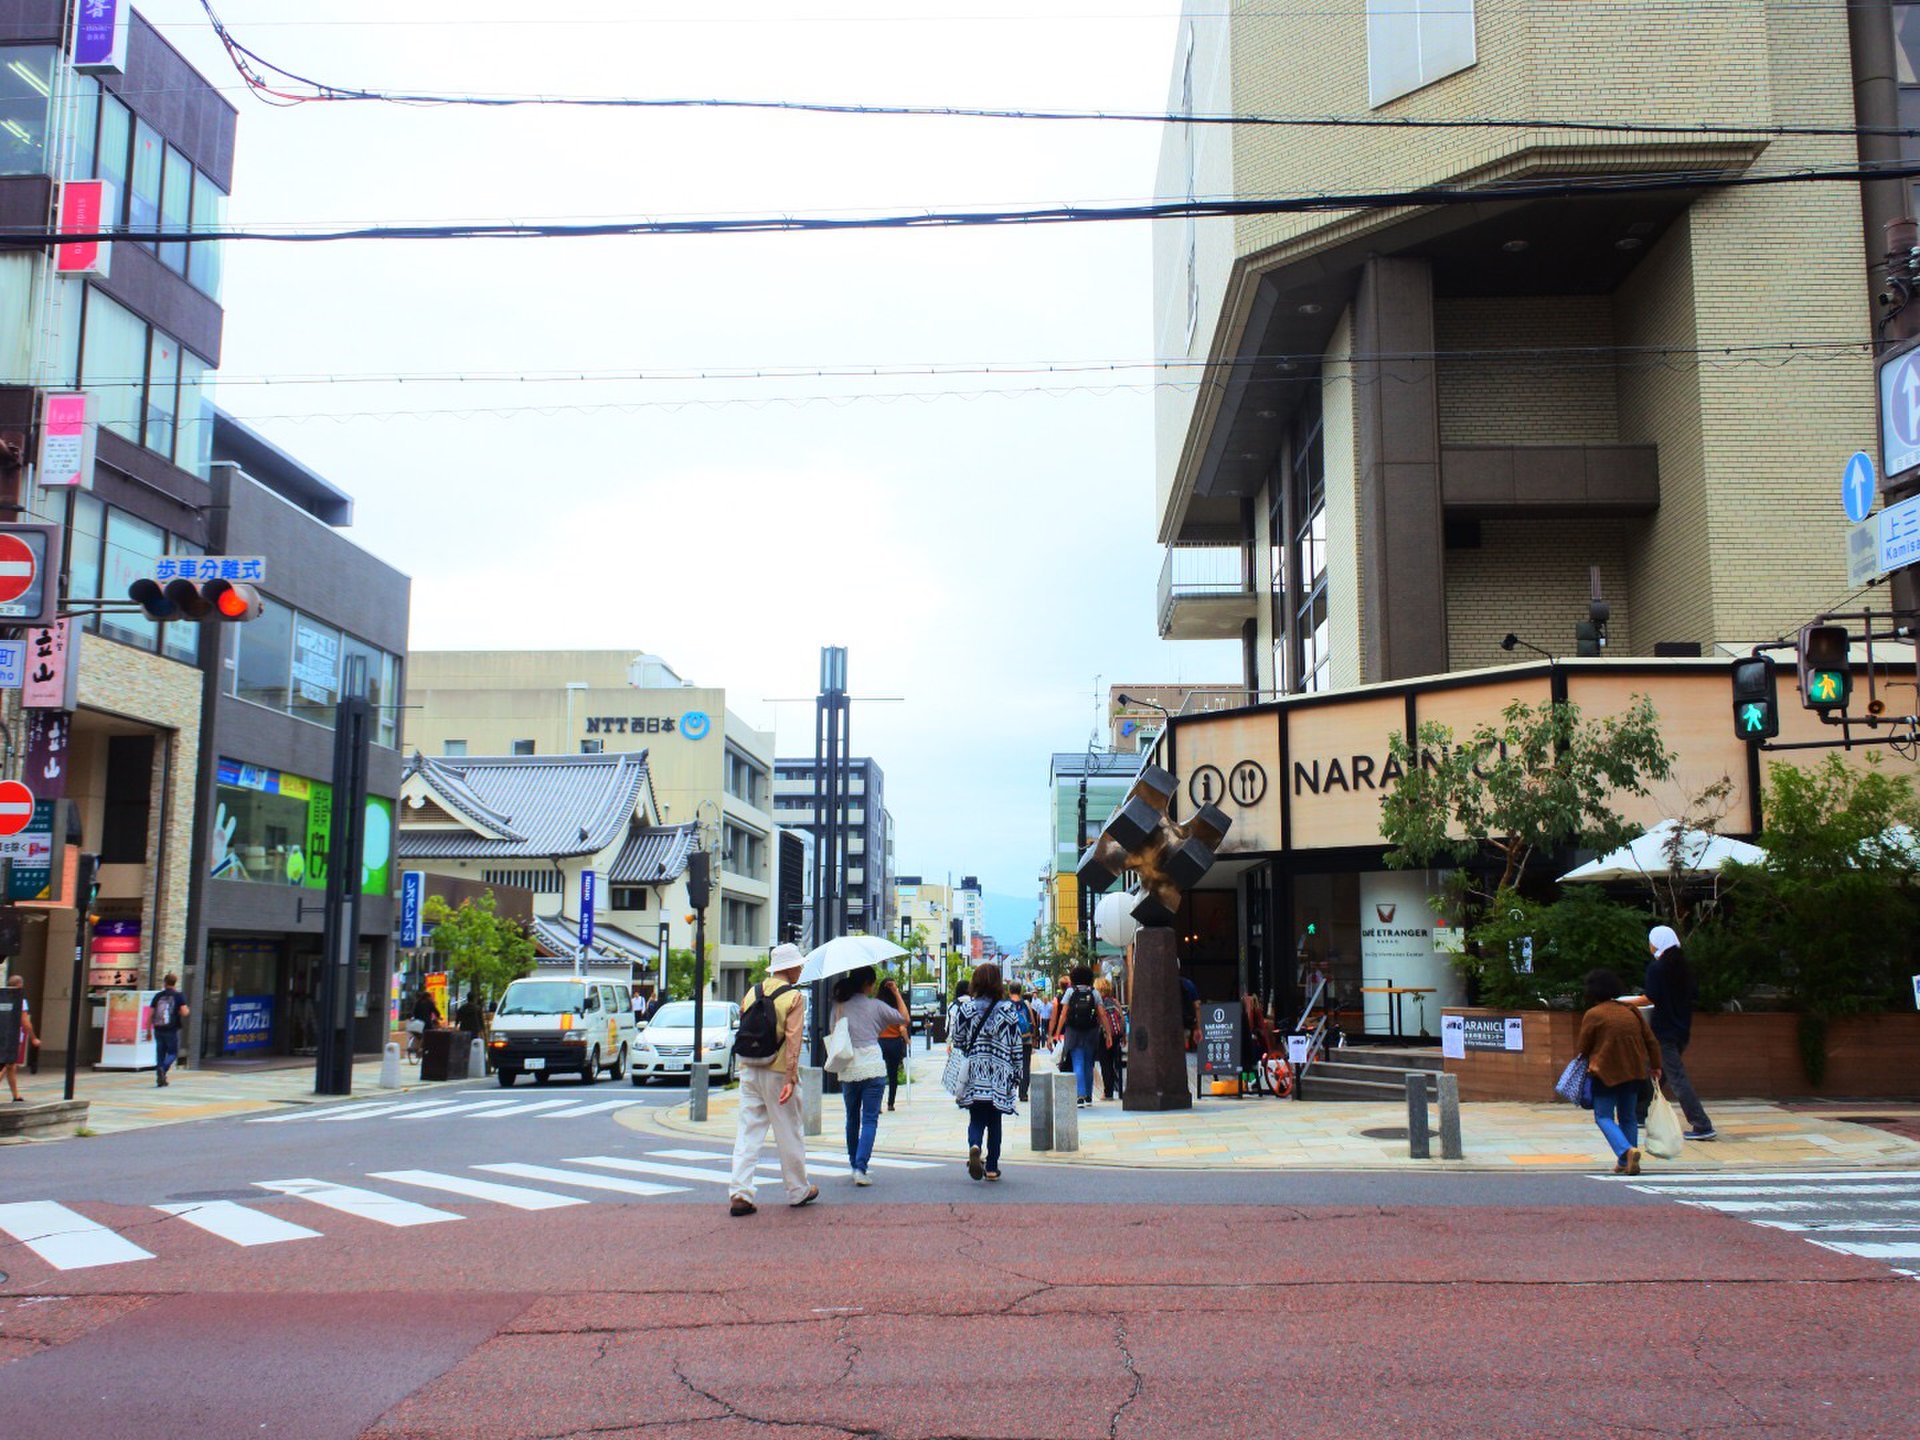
{"points": [[1622, 1056], [169, 1009], [1027, 1017], [767, 1045], [28, 1039], [986, 1032], [961, 989], [425, 1017], [864, 1078], [1080, 1023], [895, 1038], [1113, 1040], [1671, 990], [470, 1017], [639, 1006]]}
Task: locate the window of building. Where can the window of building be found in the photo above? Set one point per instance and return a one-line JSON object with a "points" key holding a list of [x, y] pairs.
{"points": [[113, 364], [176, 208], [132, 547], [180, 639], [745, 781], [1412, 43], [593, 747], [116, 147], [631, 897], [263, 669], [162, 392], [209, 213], [26, 93], [260, 834], [540, 882], [1307, 592], [522, 747], [146, 387], [739, 922], [143, 194], [193, 446], [83, 110], [453, 747], [316, 670]]}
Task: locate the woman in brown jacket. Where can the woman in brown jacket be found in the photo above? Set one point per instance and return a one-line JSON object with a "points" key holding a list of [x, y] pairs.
{"points": [[1621, 1056]]}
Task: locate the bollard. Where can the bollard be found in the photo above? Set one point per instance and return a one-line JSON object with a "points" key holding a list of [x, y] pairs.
{"points": [[477, 1060], [390, 1068], [1450, 1117], [811, 1079], [1064, 1093], [1040, 1112], [697, 1084], [1419, 1139]]}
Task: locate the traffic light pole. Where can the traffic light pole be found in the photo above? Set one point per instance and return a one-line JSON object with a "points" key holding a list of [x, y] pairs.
{"points": [[340, 933], [1908, 726], [82, 897]]}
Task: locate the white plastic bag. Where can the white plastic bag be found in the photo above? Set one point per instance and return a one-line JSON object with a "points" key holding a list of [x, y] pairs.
{"points": [[1662, 1140], [839, 1047]]}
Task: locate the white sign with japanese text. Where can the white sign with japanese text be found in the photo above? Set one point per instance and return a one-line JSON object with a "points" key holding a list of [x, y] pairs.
{"points": [[251, 569]]}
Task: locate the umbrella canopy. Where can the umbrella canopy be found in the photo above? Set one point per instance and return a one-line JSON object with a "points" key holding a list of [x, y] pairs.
{"points": [[849, 952], [1648, 857]]}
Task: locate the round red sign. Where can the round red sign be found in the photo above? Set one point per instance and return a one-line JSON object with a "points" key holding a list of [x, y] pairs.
{"points": [[17, 569], [16, 807]]}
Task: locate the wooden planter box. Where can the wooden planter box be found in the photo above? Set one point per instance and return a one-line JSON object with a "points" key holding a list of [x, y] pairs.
{"points": [[1749, 1057]]}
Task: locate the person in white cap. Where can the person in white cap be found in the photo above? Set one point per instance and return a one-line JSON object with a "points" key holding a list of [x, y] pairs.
{"points": [[768, 1046]]}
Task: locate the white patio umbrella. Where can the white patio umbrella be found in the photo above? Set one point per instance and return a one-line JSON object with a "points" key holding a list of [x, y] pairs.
{"points": [[849, 952], [1648, 857]]}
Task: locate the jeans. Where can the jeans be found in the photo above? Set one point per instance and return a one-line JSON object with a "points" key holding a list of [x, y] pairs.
{"points": [[1026, 1067], [1110, 1070], [1673, 1071], [1616, 1110], [983, 1128], [166, 1050], [863, 1118], [894, 1052], [1081, 1047]]}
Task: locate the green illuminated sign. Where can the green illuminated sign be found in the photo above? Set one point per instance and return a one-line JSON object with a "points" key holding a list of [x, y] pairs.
{"points": [[1753, 719]]}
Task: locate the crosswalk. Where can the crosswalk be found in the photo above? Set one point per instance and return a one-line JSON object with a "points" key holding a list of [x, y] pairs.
{"points": [[468, 1106], [1874, 1214], [66, 1238]]}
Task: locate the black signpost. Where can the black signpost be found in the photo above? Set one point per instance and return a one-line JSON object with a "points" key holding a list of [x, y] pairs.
{"points": [[1219, 1041]]}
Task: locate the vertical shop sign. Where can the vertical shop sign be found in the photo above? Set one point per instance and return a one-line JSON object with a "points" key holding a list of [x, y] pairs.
{"points": [[31, 875], [84, 207], [48, 732], [413, 885], [53, 670], [66, 442], [100, 37], [319, 833]]}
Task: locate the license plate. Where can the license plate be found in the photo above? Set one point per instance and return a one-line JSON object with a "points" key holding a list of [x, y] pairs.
{"points": [[535, 1062]]}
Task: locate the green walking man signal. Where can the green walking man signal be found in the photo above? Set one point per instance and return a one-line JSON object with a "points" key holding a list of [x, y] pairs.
{"points": [[1756, 704], [1826, 670]]}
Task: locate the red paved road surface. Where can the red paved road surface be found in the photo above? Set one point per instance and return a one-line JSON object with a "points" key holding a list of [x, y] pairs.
{"points": [[933, 1321]]}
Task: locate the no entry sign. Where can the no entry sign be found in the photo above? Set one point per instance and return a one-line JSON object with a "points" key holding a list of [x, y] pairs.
{"points": [[16, 807], [29, 563], [19, 568]]}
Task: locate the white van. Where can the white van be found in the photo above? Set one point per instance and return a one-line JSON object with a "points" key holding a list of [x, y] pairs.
{"points": [[562, 1023]]}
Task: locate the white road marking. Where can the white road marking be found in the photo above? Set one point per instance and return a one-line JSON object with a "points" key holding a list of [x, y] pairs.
{"points": [[1749, 1177], [526, 1109], [1872, 1251], [518, 1196], [64, 1238], [1848, 1226], [452, 1110], [589, 1109], [239, 1224], [332, 1112], [588, 1182], [1747, 1207], [877, 1163], [366, 1204], [768, 1163], [1778, 1189]]}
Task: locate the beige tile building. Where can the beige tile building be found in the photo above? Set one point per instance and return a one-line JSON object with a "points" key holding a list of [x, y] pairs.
{"points": [[1423, 428]]}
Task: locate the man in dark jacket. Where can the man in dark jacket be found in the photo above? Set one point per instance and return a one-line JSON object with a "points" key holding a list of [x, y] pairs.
{"points": [[1671, 990]]}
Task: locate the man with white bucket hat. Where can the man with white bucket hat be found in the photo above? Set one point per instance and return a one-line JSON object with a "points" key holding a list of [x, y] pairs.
{"points": [[770, 1087]]}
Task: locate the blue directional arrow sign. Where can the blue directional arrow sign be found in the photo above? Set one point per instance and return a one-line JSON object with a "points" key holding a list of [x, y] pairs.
{"points": [[1856, 486]]}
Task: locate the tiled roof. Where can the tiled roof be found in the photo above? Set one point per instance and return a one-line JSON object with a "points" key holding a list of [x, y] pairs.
{"points": [[653, 856], [559, 938], [526, 807]]}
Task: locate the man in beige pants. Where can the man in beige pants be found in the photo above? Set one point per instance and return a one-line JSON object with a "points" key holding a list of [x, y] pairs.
{"points": [[770, 1092]]}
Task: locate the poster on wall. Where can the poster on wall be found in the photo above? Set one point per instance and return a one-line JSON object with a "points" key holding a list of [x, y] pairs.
{"points": [[249, 1023], [1397, 951]]}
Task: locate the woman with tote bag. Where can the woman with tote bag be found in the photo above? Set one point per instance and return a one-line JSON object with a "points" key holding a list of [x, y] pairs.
{"points": [[858, 1019], [983, 1068], [1621, 1055]]}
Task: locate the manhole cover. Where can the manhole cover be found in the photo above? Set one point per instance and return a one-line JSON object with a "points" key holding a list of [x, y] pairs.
{"points": [[1387, 1132], [193, 1197]]}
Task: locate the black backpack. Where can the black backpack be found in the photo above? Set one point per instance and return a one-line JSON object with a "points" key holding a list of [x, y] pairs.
{"points": [[759, 1036], [1083, 1008]]}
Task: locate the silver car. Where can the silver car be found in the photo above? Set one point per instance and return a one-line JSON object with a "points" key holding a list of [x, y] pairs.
{"points": [[664, 1046]]}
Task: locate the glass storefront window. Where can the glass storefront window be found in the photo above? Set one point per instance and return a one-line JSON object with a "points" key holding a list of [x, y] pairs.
{"points": [[26, 90], [260, 826], [132, 546], [263, 672], [114, 363], [143, 197], [316, 669], [163, 384], [176, 208]]}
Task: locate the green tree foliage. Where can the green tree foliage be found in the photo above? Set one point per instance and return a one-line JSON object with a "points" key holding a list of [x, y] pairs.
{"points": [[483, 951], [1056, 949], [1581, 931], [1544, 779]]}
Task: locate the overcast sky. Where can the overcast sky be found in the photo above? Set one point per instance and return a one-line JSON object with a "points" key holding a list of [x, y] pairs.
{"points": [[990, 558]]}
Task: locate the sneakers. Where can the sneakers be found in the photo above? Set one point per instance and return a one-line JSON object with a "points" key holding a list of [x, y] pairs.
{"points": [[813, 1194], [1707, 1134], [860, 1178], [741, 1206], [974, 1167]]}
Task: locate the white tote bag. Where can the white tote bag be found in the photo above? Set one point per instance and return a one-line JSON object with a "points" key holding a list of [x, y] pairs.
{"points": [[1662, 1139], [839, 1047]]}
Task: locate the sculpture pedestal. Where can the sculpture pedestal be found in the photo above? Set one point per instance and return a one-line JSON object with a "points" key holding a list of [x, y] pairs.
{"points": [[1156, 1042]]}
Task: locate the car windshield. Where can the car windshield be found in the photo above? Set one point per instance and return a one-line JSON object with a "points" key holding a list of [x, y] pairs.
{"points": [[541, 997], [924, 995], [679, 1016]]}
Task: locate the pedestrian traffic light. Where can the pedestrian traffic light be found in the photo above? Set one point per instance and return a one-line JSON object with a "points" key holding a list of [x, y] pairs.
{"points": [[1756, 700], [196, 600], [1825, 664]]}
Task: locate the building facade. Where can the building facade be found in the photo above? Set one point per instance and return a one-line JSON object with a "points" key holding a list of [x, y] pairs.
{"points": [[1427, 426], [869, 881], [1079, 782], [707, 766]]}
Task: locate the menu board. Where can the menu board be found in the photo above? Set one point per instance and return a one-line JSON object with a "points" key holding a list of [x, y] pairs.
{"points": [[1219, 1039]]}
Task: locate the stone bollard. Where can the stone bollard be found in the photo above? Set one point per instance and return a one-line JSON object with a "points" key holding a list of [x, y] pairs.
{"points": [[1419, 1138], [812, 1078], [697, 1085], [1040, 1111], [1450, 1118], [1066, 1112], [390, 1068], [477, 1060]]}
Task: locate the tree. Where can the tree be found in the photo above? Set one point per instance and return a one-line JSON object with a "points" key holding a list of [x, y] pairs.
{"points": [[1544, 780], [483, 951], [1055, 948]]}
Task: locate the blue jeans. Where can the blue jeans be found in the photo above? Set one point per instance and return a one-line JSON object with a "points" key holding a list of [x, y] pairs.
{"points": [[983, 1128], [1616, 1110], [1081, 1049], [166, 1050], [863, 1118]]}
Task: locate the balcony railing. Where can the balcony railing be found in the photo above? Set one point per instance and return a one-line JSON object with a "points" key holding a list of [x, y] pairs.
{"points": [[1206, 591]]}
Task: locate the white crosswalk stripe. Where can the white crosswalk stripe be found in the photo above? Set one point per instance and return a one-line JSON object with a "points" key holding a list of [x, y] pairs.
{"points": [[468, 1105], [237, 1223], [366, 1204], [518, 1196], [64, 1238], [585, 1181], [1851, 1212]]}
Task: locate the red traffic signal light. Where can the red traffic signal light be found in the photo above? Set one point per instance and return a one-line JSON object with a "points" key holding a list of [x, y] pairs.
{"points": [[191, 600], [231, 601]]}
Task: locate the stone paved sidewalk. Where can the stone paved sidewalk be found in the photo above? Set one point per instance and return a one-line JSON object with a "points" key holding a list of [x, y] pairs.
{"points": [[1264, 1133]]}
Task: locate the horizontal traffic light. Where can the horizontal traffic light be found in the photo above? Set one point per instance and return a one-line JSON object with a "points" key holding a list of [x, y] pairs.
{"points": [[1756, 700], [196, 600]]}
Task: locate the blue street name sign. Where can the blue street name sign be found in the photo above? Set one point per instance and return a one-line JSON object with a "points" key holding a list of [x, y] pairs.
{"points": [[586, 909], [413, 886], [1856, 486], [13, 664]]}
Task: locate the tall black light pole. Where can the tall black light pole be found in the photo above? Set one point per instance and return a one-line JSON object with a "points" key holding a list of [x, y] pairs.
{"points": [[699, 891], [831, 761], [340, 932]]}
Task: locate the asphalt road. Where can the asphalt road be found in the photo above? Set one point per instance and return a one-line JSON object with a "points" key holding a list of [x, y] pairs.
{"points": [[482, 1272]]}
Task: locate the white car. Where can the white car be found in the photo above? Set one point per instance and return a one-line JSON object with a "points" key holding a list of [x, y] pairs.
{"points": [[664, 1045]]}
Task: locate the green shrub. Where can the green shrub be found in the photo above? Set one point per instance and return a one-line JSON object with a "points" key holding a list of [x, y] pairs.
{"points": [[1581, 931]]}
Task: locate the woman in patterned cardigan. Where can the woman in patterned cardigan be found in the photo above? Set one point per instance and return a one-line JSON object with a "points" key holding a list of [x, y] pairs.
{"points": [[987, 1032]]}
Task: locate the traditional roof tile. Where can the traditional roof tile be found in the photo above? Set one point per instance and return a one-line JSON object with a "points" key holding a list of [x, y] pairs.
{"points": [[526, 807]]}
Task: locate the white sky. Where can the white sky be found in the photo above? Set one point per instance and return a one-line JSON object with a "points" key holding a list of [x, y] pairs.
{"points": [[984, 558]]}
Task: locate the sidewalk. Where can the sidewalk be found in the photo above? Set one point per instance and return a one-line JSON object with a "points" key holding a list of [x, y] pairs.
{"points": [[120, 1100], [1267, 1134]]}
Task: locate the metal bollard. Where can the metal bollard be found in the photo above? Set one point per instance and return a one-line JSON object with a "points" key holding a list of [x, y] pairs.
{"points": [[697, 1080], [1450, 1118], [1040, 1112], [1419, 1139], [1064, 1093], [811, 1079], [476, 1060], [390, 1068]]}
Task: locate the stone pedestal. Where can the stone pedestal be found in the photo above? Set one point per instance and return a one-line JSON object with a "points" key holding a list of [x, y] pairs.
{"points": [[1156, 1044], [811, 1088], [1063, 1096]]}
